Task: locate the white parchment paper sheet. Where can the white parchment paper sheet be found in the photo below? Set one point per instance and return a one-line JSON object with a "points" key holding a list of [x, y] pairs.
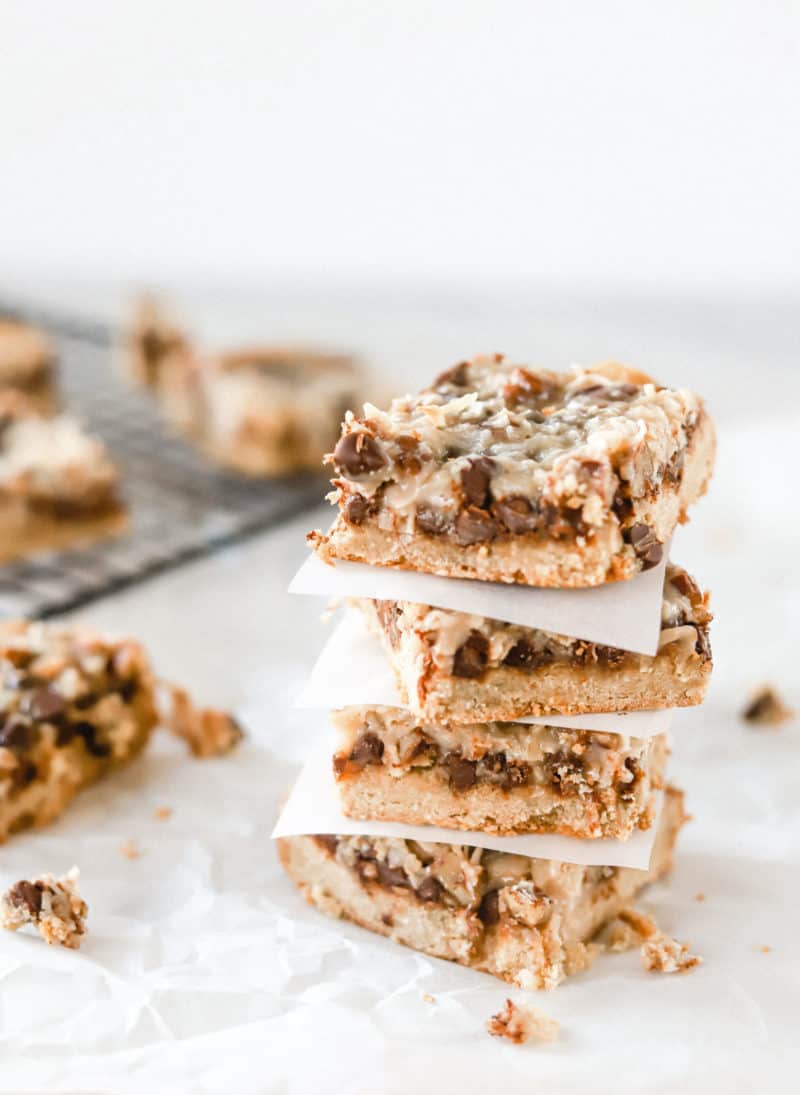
{"points": [[313, 807], [623, 614], [352, 670]]}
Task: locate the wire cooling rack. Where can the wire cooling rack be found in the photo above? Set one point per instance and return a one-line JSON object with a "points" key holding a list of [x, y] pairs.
{"points": [[179, 505]]}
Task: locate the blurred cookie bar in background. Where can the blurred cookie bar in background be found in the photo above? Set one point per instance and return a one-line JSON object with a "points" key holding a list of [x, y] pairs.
{"points": [[58, 486], [261, 410], [27, 365]]}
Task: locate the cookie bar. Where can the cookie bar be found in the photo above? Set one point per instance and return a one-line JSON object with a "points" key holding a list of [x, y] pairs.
{"points": [[451, 665], [53, 906], [497, 777], [27, 365], [153, 339], [58, 486], [528, 921], [264, 411], [74, 706], [510, 474]]}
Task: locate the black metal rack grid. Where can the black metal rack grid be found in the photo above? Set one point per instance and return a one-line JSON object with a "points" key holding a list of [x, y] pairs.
{"points": [[179, 505]]}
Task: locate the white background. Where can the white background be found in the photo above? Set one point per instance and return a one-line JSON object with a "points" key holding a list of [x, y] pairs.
{"points": [[584, 143]]}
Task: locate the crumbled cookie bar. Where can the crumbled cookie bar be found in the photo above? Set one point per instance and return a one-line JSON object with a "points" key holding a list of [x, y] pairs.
{"points": [[264, 411], [499, 777], [462, 668], [766, 708], [658, 951], [73, 705], [511, 474], [207, 731], [52, 905], [528, 921], [27, 365], [58, 486], [522, 1023]]}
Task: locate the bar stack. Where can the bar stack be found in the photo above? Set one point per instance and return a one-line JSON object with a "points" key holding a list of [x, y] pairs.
{"points": [[505, 474]]}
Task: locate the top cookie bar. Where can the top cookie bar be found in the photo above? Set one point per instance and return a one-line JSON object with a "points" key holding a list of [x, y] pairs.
{"points": [[511, 474]]}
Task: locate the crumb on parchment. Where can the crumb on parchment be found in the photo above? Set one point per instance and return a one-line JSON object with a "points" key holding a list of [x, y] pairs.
{"points": [[53, 906], [130, 849], [163, 813], [766, 708], [522, 1023], [208, 731], [659, 952]]}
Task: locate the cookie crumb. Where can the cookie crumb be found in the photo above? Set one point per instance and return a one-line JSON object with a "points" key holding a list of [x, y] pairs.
{"points": [[765, 949], [163, 813], [628, 930], [426, 996], [699, 897], [766, 708], [521, 1023], [53, 906], [663, 954], [208, 731], [130, 849]]}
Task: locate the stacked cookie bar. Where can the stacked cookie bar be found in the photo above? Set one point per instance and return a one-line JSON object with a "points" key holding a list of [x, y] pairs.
{"points": [[500, 473]]}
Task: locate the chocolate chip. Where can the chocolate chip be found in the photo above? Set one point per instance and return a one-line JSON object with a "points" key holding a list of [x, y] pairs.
{"points": [[327, 841], [93, 745], [356, 509], [643, 541], [18, 734], [65, 732], [475, 478], [26, 895], [430, 889], [455, 377], [523, 655], [432, 521], [489, 908], [472, 656], [564, 770], [45, 704], [391, 876], [409, 456], [368, 749], [517, 514], [462, 773], [516, 775], [128, 689], [473, 526], [609, 655], [358, 453], [25, 773], [703, 645]]}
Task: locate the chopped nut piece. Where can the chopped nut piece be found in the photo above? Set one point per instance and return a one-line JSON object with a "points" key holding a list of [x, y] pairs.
{"points": [[130, 850], [766, 708], [208, 731], [521, 1022], [52, 905]]}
